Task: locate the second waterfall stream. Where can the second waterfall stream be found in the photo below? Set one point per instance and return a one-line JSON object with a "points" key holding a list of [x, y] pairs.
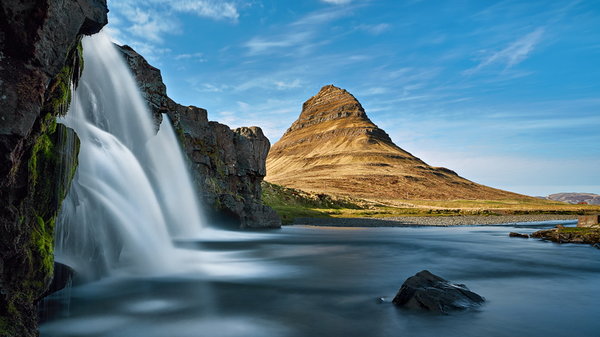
{"points": [[132, 193]]}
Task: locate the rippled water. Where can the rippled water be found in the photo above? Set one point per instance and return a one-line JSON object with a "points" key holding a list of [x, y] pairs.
{"points": [[308, 281]]}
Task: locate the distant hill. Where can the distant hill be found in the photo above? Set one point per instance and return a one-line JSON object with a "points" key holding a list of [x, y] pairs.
{"points": [[576, 198], [334, 148]]}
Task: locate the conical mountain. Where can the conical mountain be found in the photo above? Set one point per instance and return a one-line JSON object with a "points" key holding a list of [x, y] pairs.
{"points": [[334, 148]]}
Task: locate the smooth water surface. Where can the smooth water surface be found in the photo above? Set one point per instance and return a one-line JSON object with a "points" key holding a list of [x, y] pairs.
{"points": [[314, 281]]}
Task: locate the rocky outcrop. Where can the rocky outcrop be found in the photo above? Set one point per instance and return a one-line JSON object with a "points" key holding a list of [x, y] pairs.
{"points": [[518, 235], [585, 235], [335, 148], [227, 165], [426, 291], [40, 59]]}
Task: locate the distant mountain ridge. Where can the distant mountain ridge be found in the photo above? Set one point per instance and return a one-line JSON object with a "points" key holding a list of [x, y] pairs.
{"points": [[333, 147], [576, 198]]}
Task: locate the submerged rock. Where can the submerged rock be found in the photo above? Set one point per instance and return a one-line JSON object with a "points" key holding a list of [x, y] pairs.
{"points": [[518, 235], [426, 291], [63, 276]]}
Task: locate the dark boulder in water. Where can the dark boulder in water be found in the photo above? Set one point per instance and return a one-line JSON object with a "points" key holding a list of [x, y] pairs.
{"points": [[518, 235], [426, 291], [63, 275]]}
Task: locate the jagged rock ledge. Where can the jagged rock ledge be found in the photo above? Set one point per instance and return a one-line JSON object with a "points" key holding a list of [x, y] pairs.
{"points": [[227, 165]]}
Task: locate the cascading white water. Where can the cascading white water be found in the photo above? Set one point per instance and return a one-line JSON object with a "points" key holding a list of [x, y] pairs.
{"points": [[132, 192]]}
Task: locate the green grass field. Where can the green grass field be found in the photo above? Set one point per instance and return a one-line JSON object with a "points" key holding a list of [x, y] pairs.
{"points": [[292, 203]]}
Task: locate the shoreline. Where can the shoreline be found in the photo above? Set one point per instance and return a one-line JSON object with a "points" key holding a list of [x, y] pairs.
{"points": [[431, 221]]}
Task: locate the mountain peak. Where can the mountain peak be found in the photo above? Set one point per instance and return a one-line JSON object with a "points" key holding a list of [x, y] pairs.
{"points": [[333, 147], [328, 104]]}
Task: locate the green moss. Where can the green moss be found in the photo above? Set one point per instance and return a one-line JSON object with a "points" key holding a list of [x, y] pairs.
{"points": [[43, 146], [580, 230], [43, 241], [60, 90], [289, 213], [276, 195], [26, 280], [61, 95], [6, 327], [180, 134], [292, 203]]}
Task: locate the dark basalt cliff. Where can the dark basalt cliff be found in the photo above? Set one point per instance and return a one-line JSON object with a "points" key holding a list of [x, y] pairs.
{"points": [[227, 165], [40, 58]]}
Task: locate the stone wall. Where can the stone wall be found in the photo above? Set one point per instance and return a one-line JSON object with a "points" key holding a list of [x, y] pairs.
{"points": [[588, 220]]}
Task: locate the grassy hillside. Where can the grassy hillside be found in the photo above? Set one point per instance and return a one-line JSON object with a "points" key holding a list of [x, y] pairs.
{"points": [[291, 203]]}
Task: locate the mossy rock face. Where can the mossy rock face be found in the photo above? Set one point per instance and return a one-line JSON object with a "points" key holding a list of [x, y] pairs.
{"points": [[48, 170]]}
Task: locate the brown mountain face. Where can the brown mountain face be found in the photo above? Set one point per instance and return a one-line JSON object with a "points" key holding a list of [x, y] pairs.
{"points": [[334, 148]]}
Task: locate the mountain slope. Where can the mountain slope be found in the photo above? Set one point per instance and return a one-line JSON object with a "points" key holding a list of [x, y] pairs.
{"points": [[575, 198], [334, 148]]}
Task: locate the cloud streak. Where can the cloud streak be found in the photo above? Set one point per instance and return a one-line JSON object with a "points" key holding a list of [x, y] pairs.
{"points": [[337, 2], [299, 35], [150, 21], [213, 9], [513, 54]]}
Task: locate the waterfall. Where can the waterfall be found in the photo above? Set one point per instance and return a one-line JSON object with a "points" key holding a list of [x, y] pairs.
{"points": [[132, 193]]}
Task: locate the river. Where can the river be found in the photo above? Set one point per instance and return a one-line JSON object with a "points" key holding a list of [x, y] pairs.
{"points": [[321, 281]]}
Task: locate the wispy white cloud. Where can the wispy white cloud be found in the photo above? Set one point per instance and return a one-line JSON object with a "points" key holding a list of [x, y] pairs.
{"points": [[269, 81], [214, 9], [150, 21], [150, 52], [274, 116], [301, 35], [375, 91], [282, 85], [148, 25], [337, 2], [513, 54], [207, 87], [198, 57], [375, 29], [260, 45]]}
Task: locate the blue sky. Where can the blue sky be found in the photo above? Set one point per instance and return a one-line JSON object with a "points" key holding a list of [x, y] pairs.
{"points": [[506, 93]]}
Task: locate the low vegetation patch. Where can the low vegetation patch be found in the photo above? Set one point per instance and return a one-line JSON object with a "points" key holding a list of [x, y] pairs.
{"points": [[292, 203]]}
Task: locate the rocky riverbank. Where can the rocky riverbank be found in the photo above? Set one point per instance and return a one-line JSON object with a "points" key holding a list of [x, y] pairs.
{"points": [[463, 220], [585, 235]]}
